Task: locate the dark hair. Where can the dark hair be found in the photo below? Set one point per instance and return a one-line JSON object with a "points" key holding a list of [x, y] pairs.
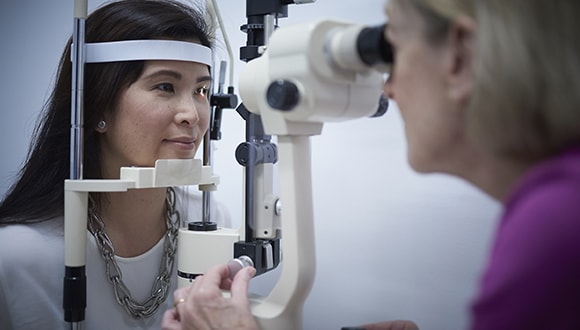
{"points": [[38, 194]]}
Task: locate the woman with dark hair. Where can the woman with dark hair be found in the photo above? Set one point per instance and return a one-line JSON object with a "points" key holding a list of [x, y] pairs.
{"points": [[135, 112]]}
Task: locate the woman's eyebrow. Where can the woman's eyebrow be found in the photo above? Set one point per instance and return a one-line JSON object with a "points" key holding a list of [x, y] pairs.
{"points": [[164, 72], [174, 74], [203, 78]]}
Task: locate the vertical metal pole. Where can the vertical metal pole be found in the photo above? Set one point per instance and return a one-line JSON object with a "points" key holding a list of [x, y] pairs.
{"points": [[252, 121], [74, 287], [207, 147], [77, 110], [207, 161]]}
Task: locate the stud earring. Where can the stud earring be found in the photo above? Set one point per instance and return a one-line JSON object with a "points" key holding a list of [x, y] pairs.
{"points": [[102, 124]]}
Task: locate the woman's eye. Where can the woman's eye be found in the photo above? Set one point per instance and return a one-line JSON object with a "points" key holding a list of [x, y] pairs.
{"points": [[202, 91], [165, 87]]}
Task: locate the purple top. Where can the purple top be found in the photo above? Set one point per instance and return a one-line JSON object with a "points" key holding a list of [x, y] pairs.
{"points": [[532, 279]]}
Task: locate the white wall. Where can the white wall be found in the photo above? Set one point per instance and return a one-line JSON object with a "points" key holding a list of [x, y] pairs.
{"points": [[390, 243]]}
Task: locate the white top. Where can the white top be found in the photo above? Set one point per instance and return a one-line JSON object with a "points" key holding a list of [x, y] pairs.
{"points": [[32, 273]]}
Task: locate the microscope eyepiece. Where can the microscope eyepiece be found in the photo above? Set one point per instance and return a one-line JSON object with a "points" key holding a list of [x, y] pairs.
{"points": [[360, 48], [372, 46]]}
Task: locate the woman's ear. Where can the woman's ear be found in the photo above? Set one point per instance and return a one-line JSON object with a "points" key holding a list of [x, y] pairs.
{"points": [[103, 124], [461, 41]]}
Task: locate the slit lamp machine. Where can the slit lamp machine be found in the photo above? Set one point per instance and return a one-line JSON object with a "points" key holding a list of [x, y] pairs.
{"points": [[295, 79]]}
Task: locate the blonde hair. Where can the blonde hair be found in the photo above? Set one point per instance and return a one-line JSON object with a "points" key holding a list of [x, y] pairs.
{"points": [[526, 98]]}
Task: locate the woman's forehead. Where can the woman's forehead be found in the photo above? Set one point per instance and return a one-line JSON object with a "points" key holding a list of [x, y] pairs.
{"points": [[401, 16]]}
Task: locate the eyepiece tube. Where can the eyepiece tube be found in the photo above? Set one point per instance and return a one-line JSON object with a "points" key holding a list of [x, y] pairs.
{"points": [[372, 46], [360, 48]]}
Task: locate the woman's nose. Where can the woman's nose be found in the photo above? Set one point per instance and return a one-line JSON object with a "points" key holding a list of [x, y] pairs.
{"points": [[187, 113]]}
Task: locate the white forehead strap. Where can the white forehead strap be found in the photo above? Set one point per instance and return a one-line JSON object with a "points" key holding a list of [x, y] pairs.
{"points": [[137, 50]]}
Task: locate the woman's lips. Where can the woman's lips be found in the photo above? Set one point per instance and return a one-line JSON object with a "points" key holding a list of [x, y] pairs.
{"points": [[182, 143]]}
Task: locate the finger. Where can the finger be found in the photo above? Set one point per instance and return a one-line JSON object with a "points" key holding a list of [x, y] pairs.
{"points": [[215, 275], [226, 284], [180, 296], [181, 293], [170, 321], [207, 286], [241, 283]]}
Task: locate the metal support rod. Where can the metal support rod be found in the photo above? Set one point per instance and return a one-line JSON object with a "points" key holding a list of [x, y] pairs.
{"points": [[207, 161], [213, 132], [254, 130], [74, 287], [77, 110], [269, 26]]}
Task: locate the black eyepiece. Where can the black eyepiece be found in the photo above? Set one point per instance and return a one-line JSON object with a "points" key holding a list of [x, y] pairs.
{"points": [[372, 46]]}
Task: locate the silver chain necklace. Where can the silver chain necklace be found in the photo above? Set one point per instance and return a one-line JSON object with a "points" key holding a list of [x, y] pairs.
{"points": [[160, 287]]}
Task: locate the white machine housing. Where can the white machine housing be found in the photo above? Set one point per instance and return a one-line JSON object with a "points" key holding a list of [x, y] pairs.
{"points": [[307, 55]]}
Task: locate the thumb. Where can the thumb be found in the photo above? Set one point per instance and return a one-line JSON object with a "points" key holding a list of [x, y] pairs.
{"points": [[239, 288]]}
